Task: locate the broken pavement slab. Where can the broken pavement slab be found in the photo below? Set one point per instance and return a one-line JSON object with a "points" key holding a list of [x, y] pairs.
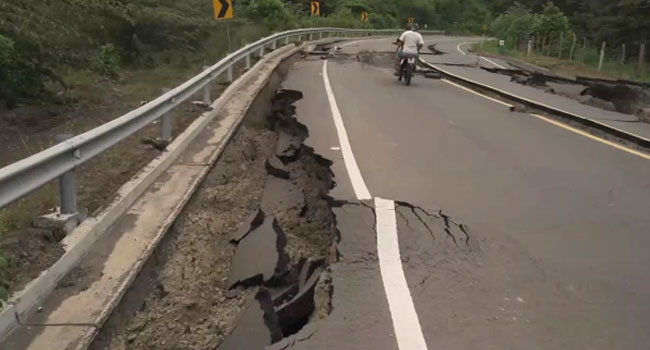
{"points": [[252, 222], [288, 146], [289, 95], [280, 195], [304, 334], [360, 317], [275, 167], [260, 257], [293, 314], [258, 326]]}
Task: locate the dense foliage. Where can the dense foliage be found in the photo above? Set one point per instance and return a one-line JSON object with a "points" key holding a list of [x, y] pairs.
{"points": [[40, 39]]}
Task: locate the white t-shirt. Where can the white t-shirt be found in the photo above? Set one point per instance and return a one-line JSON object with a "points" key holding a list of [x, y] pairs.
{"points": [[411, 41]]}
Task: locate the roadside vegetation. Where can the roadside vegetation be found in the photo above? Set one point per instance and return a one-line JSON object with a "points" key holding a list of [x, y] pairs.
{"points": [[587, 66], [568, 39]]}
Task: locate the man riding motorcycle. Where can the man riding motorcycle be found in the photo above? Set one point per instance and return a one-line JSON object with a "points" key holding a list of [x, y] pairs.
{"points": [[408, 44]]}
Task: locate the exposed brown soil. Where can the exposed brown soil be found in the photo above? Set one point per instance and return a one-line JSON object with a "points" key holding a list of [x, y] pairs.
{"points": [[28, 253]]}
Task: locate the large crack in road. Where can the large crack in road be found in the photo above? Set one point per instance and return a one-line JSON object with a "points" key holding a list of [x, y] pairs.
{"points": [[247, 263], [192, 295]]}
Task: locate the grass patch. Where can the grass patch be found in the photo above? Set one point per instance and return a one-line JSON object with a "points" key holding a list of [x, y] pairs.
{"points": [[20, 214], [585, 63]]}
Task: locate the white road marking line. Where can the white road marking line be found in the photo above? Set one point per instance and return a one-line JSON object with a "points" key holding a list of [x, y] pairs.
{"points": [[459, 50], [359, 186], [494, 63], [595, 138], [408, 331], [349, 43], [359, 41], [335, 148], [481, 57], [406, 324], [479, 94]]}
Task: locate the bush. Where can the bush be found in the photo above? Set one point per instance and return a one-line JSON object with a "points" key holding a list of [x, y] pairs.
{"points": [[18, 76], [275, 14], [343, 18], [383, 21], [107, 61]]}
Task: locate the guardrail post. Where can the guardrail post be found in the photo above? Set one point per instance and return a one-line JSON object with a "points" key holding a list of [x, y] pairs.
{"points": [[262, 51], [166, 124], [274, 45], [206, 91], [286, 40], [229, 74], [320, 35], [602, 56], [67, 186], [309, 36], [641, 67], [248, 61]]}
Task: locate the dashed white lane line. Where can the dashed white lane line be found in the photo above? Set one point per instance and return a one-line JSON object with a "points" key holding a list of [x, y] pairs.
{"points": [[406, 324], [359, 186], [408, 332], [511, 107]]}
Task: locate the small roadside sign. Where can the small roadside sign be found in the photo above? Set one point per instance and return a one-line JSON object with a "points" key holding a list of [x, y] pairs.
{"points": [[411, 20], [486, 27], [222, 9], [364, 16], [315, 8]]}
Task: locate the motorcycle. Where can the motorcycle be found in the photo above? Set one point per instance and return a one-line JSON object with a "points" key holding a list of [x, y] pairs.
{"points": [[407, 69]]}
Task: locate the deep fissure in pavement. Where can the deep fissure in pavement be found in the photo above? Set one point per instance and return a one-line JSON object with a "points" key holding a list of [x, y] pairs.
{"points": [[434, 50], [620, 96], [246, 264]]}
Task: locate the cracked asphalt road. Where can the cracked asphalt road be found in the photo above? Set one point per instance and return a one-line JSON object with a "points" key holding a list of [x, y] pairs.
{"points": [[546, 242]]}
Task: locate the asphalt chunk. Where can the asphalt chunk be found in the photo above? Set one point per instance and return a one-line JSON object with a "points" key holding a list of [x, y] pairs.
{"points": [[258, 326], [252, 222], [275, 167], [288, 146], [280, 195], [260, 257]]}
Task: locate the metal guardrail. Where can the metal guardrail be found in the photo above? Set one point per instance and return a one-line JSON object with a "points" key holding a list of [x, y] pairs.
{"points": [[59, 161]]}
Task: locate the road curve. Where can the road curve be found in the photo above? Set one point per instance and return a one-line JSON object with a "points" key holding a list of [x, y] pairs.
{"points": [[555, 256]]}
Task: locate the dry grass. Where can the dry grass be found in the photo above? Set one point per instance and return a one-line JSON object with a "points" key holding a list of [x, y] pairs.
{"points": [[564, 67]]}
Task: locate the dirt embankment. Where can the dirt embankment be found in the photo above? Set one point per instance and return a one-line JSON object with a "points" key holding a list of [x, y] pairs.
{"points": [[29, 129], [200, 288]]}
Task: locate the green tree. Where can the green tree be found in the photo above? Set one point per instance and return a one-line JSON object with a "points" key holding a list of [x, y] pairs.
{"points": [[273, 13]]}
